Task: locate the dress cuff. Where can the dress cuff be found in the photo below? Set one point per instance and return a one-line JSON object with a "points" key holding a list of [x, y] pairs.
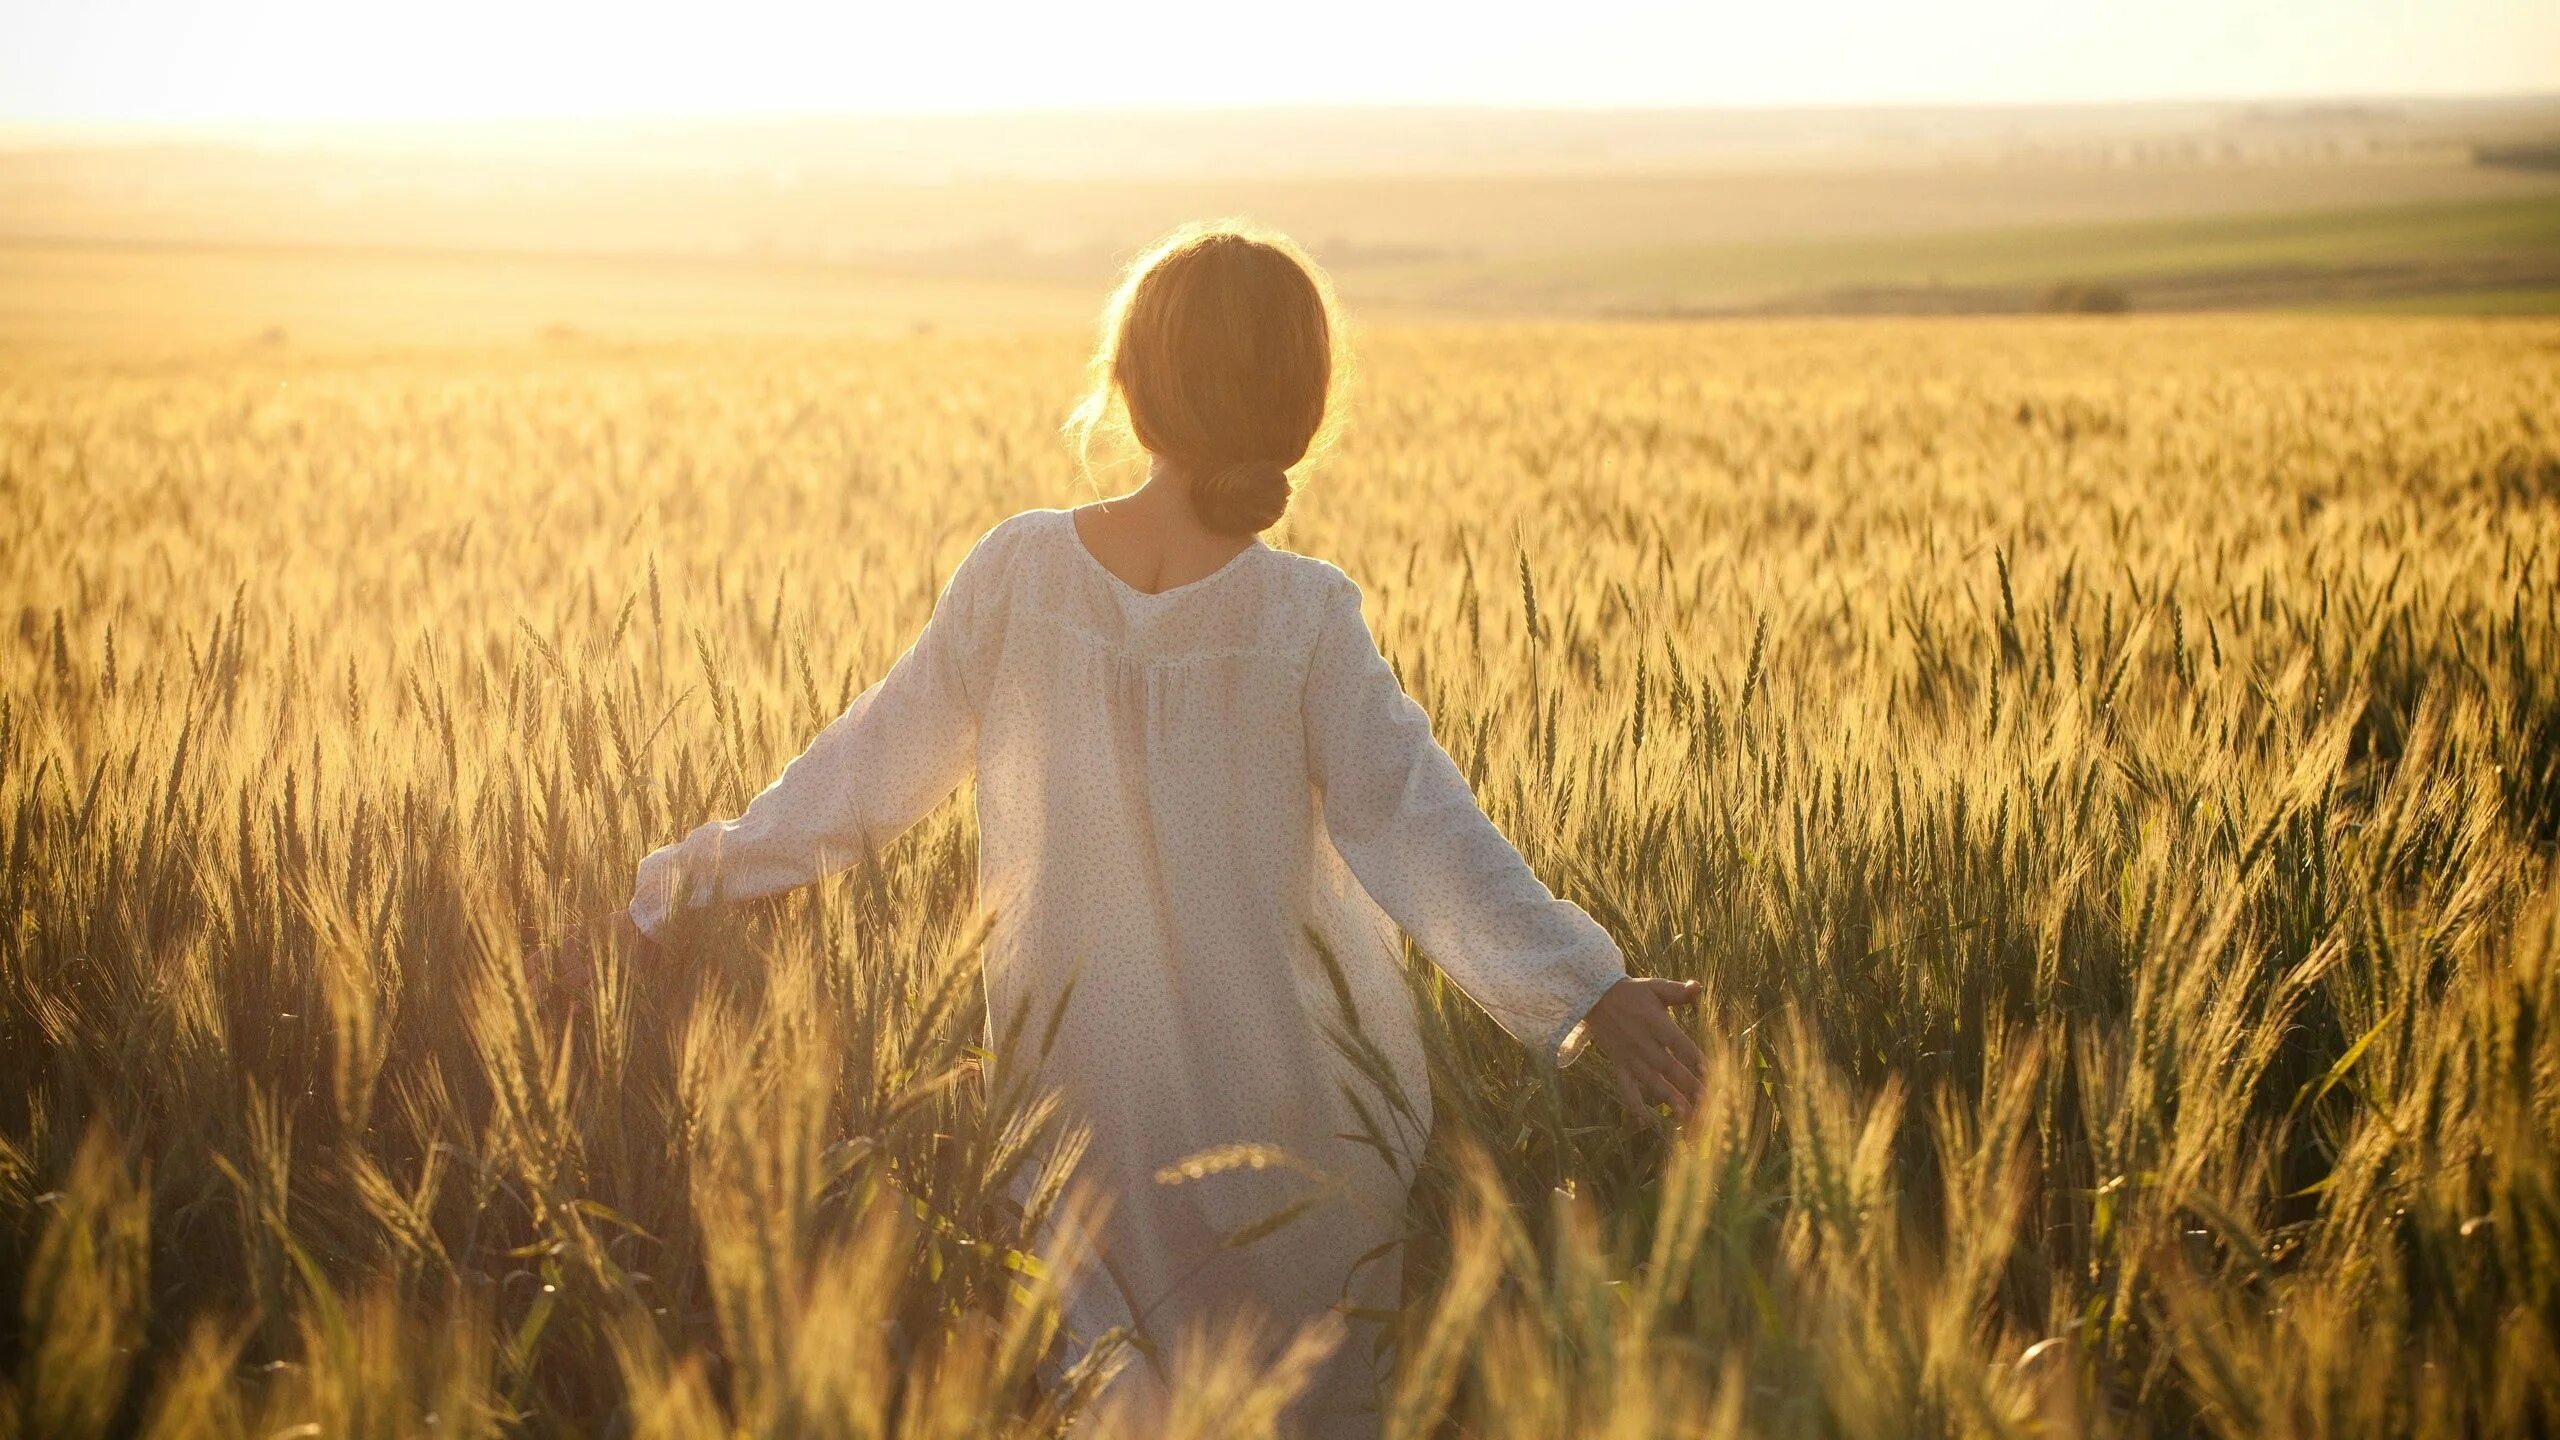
{"points": [[1569, 1039], [653, 891]]}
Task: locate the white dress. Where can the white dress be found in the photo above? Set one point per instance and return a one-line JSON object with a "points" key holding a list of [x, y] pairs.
{"points": [[1175, 791]]}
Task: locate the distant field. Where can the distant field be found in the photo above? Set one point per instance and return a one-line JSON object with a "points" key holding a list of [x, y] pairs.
{"points": [[2363, 255], [2474, 257], [1081, 229], [830, 227], [124, 300], [2544, 300]]}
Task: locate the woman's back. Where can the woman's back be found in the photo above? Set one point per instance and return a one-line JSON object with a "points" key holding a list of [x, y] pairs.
{"points": [[1150, 842], [1180, 796]]}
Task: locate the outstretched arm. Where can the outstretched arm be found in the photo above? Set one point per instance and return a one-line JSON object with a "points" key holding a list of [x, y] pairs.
{"points": [[1406, 823], [893, 754]]}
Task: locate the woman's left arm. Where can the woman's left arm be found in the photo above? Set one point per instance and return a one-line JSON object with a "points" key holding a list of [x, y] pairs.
{"points": [[896, 752], [1403, 818]]}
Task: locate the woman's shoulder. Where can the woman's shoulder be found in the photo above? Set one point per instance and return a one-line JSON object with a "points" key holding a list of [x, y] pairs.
{"points": [[997, 547], [1311, 600], [1013, 529], [1312, 575]]}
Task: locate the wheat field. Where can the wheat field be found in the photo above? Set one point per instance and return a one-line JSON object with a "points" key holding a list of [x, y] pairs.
{"points": [[2105, 773]]}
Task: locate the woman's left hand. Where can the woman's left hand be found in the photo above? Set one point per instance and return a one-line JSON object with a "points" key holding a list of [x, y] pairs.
{"points": [[565, 974], [1653, 1056]]}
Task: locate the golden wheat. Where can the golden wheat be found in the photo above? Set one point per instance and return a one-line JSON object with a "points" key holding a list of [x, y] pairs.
{"points": [[2105, 774]]}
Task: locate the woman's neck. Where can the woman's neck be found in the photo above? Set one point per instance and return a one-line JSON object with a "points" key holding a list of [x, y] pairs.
{"points": [[1151, 537], [1162, 502]]}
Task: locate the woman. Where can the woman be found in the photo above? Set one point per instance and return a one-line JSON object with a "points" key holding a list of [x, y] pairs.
{"points": [[1195, 768]]}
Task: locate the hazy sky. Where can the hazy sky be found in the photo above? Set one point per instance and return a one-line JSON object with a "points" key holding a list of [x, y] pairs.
{"points": [[177, 60]]}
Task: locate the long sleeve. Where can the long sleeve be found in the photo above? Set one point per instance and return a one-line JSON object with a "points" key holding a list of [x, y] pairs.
{"points": [[896, 752], [1403, 819]]}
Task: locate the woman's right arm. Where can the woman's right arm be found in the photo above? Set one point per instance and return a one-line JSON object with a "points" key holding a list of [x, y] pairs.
{"points": [[900, 748]]}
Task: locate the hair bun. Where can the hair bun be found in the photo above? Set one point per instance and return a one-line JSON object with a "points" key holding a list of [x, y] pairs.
{"points": [[1244, 497]]}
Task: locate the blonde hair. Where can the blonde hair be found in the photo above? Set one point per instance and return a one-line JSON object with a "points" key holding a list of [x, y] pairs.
{"points": [[1219, 355]]}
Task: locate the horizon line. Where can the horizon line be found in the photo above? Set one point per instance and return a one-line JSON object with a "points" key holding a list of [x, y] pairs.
{"points": [[1271, 109]]}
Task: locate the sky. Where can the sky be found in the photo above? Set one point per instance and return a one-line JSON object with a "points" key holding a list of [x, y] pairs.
{"points": [[165, 62]]}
